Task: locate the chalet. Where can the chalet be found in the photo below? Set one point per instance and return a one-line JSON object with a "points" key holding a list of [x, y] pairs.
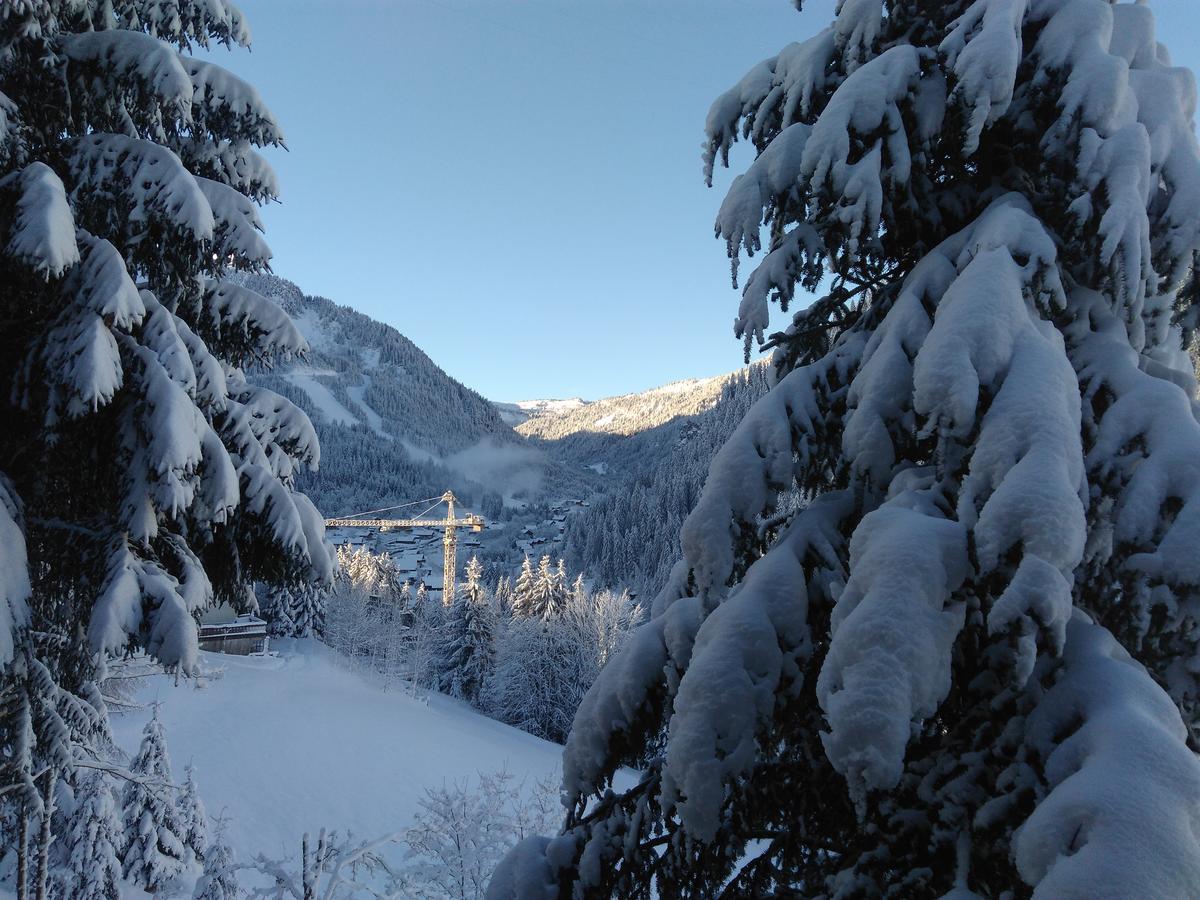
{"points": [[241, 635]]}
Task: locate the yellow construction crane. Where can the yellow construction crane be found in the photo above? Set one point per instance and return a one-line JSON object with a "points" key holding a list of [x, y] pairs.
{"points": [[449, 541]]}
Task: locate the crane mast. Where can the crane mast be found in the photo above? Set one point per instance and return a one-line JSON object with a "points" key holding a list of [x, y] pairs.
{"points": [[449, 552], [449, 540]]}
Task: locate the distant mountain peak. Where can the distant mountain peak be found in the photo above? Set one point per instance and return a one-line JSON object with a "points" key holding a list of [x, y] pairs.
{"points": [[621, 415], [516, 413]]}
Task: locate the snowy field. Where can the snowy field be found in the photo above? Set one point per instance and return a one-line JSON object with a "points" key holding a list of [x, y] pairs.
{"points": [[294, 743]]}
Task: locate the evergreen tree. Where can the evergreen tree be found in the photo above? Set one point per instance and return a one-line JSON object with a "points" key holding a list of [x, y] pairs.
{"points": [[306, 609], [523, 593], [468, 639], [41, 723], [93, 843], [964, 668], [504, 595], [155, 832], [404, 599], [542, 593], [561, 586], [219, 880], [535, 684], [544, 665], [193, 816], [277, 610], [424, 640], [545, 590], [161, 479]]}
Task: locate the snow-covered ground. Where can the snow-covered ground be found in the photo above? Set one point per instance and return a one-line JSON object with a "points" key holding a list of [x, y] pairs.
{"points": [[324, 403], [294, 743], [358, 393]]}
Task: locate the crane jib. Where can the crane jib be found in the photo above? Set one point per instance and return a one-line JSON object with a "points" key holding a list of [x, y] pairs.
{"points": [[449, 541]]}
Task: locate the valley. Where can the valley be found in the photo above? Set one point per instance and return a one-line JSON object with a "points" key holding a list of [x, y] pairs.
{"points": [[545, 473]]}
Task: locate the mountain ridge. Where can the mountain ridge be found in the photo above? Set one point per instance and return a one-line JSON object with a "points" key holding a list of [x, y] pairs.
{"points": [[621, 414]]}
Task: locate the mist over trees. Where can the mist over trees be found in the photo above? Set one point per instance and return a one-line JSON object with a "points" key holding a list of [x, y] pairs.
{"points": [[390, 420]]}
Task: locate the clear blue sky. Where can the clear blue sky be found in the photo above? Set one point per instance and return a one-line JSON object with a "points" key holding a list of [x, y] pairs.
{"points": [[515, 184]]}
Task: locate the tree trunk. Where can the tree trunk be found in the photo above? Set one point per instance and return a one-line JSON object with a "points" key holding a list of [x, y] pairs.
{"points": [[23, 855], [308, 868], [45, 837]]}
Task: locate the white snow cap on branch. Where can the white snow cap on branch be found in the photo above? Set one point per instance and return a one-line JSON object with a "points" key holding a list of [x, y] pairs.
{"points": [[984, 49], [234, 103], [14, 573], [892, 632], [43, 235], [130, 55], [151, 176], [1123, 809], [137, 590]]}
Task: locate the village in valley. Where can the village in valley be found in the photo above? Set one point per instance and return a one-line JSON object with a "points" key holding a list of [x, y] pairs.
{"points": [[418, 551]]}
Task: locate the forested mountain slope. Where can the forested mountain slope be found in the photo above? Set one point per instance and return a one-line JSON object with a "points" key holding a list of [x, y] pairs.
{"points": [[653, 449], [389, 419], [627, 414]]}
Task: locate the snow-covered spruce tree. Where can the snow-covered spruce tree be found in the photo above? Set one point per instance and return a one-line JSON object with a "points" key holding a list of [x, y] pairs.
{"points": [[468, 640], [297, 609], [531, 684], [219, 880], [308, 611], [142, 476], [276, 608], [504, 595], [545, 665], [93, 844], [193, 816], [523, 602], [421, 643], [154, 851], [542, 593], [967, 665]]}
